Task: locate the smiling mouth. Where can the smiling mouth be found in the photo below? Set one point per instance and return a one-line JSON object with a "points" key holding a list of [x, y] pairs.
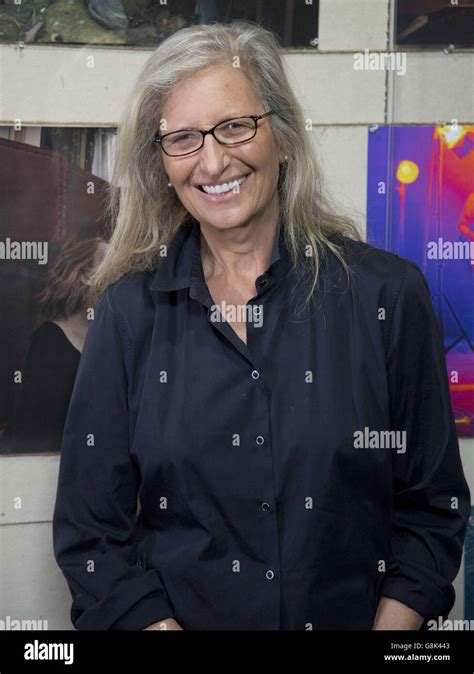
{"points": [[223, 188]]}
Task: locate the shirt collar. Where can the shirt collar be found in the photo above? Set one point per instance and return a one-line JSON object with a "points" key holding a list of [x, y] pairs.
{"points": [[183, 260]]}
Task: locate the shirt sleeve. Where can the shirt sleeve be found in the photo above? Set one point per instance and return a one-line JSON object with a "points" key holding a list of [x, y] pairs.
{"points": [[431, 500], [97, 494]]}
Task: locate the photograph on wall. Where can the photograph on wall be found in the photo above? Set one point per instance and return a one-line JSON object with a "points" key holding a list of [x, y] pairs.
{"points": [[435, 22], [148, 22], [53, 235], [420, 205]]}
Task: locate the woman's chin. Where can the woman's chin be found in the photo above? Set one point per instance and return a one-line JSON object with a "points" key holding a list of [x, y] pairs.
{"points": [[225, 222]]}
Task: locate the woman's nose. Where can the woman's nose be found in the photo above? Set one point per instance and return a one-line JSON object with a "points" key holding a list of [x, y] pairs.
{"points": [[212, 156]]}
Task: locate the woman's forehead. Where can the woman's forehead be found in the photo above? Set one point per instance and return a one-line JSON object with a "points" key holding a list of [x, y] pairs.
{"points": [[224, 82], [209, 111]]}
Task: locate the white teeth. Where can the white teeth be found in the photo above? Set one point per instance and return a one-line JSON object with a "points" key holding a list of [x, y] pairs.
{"points": [[222, 189]]}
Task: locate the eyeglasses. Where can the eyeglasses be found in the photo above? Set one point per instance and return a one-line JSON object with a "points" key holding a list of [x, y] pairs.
{"points": [[228, 132]]}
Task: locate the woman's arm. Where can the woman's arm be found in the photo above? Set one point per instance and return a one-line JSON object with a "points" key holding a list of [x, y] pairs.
{"points": [[164, 625], [95, 513], [393, 615], [431, 499]]}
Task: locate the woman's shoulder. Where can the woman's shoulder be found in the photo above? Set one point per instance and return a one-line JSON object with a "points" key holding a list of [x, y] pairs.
{"points": [[373, 264], [129, 288], [378, 276], [130, 300]]}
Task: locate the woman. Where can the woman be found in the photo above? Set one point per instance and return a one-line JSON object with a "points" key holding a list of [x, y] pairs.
{"points": [[244, 340], [54, 352]]}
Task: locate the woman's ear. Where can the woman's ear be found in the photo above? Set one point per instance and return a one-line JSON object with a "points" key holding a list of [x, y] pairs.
{"points": [[282, 156]]}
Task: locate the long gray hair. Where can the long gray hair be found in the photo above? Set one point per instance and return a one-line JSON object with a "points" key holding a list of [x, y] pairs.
{"points": [[145, 213]]}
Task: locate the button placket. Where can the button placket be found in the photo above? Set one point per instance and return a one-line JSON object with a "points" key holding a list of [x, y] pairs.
{"points": [[268, 522]]}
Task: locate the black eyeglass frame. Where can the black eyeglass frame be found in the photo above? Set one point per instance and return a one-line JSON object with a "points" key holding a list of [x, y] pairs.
{"points": [[158, 139]]}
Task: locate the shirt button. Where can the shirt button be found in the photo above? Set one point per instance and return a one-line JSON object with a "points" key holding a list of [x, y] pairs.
{"points": [[265, 506], [259, 440], [269, 574], [255, 374], [263, 283]]}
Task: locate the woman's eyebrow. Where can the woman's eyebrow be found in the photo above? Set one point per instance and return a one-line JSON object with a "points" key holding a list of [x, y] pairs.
{"points": [[230, 115]]}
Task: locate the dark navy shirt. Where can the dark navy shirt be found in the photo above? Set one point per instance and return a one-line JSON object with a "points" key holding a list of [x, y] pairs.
{"points": [[285, 483]]}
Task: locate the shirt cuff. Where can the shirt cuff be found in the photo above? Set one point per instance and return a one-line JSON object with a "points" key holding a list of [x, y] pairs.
{"points": [[150, 609], [421, 589]]}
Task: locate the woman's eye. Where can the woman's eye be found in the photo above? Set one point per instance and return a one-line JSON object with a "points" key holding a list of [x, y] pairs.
{"points": [[180, 139]]}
